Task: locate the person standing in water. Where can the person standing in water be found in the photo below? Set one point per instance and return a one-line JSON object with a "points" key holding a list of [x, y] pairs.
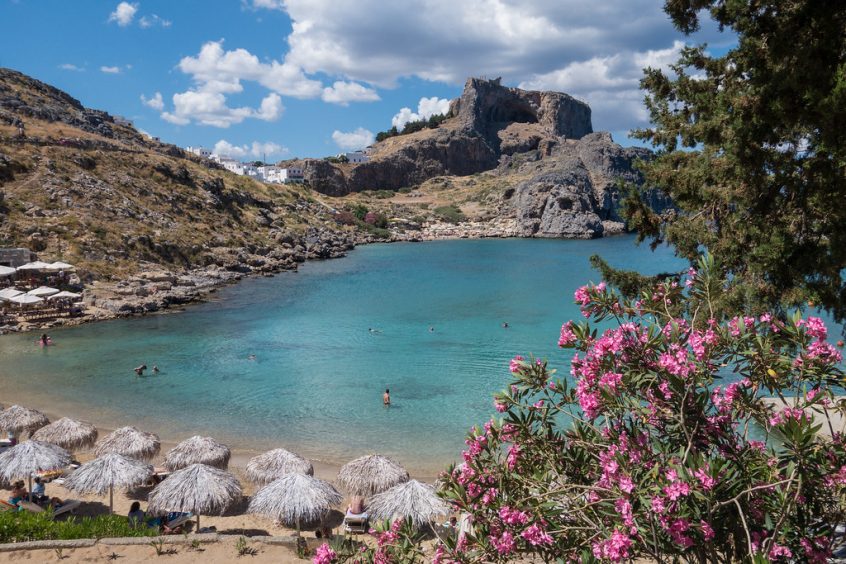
{"points": [[45, 340], [386, 398]]}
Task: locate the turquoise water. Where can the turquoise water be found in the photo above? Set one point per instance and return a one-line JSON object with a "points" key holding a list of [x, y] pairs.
{"points": [[316, 382]]}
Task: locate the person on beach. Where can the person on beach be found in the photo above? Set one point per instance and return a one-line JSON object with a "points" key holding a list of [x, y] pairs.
{"points": [[136, 516], [386, 398], [18, 493], [356, 506], [139, 371], [38, 495]]}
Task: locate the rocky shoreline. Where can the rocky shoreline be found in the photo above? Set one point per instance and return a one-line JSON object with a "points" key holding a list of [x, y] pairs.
{"points": [[157, 290]]}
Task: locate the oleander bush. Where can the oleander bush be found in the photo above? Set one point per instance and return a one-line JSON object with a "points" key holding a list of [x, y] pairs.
{"points": [[682, 433], [22, 526]]}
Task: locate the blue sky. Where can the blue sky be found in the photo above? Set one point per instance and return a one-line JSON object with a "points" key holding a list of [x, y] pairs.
{"points": [[312, 77]]}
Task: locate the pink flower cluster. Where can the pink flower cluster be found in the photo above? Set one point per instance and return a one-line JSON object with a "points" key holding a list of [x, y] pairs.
{"points": [[567, 336], [324, 555], [614, 549]]}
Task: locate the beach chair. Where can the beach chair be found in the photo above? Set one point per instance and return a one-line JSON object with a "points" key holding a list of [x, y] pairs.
{"points": [[176, 519], [69, 506], [356, 524], [6, 506]]}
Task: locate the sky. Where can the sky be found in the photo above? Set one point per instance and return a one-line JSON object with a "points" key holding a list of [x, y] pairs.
{"points": [[277, 79]]}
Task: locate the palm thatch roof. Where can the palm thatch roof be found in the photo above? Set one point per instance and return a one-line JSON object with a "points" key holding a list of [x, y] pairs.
{"points": [[130, 442], [16, 419], [295, 499], [27, 458], [198, 450], [201, 489], [68, 433], [369, 475], [107, 472], [274, 464], [410, 500]]}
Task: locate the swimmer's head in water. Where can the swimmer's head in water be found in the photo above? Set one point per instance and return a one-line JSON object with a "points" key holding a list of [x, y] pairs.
{"points": [[387, 391]]}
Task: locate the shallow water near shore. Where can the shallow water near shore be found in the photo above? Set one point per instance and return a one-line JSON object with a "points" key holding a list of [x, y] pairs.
{"points": [[316, 380]]}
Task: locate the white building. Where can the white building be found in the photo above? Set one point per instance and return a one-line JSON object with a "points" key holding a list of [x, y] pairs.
{"points": [[279, 175], [357, 157], [200, 152]]}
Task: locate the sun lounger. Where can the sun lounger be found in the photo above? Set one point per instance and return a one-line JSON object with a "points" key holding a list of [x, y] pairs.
{"points": [[176, 519], [67, 507], [6, 506], [356, 523]]}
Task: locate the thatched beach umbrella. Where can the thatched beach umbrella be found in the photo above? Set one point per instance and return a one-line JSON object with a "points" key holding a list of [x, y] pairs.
{"points": [[371, 474], [17, 419], [274, 464], [410, 500], [130, 442], [200, 489], [295, 499], [198, 450], [108, 472], [68, 433], [30, 457]]}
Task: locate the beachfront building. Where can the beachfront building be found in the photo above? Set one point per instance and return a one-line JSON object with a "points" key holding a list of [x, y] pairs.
{"points": [[357, 157], [200, 152]]}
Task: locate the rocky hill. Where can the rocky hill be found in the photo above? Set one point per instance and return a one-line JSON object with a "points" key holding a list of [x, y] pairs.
{"points": [[542, 165], [78, 185]]}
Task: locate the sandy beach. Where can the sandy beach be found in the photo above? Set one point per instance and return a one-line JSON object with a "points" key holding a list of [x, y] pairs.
{"points": [[234, 523]]}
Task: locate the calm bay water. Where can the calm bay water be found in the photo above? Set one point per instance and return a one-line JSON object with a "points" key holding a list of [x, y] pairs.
{"points": [[315, 384]]}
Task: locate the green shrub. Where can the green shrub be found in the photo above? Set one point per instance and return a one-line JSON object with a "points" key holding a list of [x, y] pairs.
{"points": [[450, 213], [22, 526]]}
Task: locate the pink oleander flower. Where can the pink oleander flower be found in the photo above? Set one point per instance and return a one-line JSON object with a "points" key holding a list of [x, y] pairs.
{"points": [[536, 536], [582, 295], [626, 484], [707, 530], [814, 327], [705, 480], [824, 352], [614, 549], [676, 490], [624, 509], [513, 517], [516, 364], [778, 551], [489, 496], [500, 407], [658, 504], [324, 555], [504, 544], [611, 380], [567, 337], [513, 456]]}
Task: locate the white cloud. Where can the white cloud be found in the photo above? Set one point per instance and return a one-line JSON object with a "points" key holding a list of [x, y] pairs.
{"points": [[268, 4], [268, 149], [209, 108], [70, 67], [110, 70], [522, 41], [345, 92], [155, 102], [426, 108], [123, 14], [153, 20], [352, 140]]}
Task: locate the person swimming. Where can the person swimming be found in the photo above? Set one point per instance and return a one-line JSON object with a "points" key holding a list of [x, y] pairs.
{"points": [[139, 371], [45, 340], [155, 369], [505, 325]]}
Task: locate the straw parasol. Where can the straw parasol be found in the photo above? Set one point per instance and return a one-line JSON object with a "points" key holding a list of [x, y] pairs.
{"points": [[17, 419], [198, 450], [200, 489], [409, 500], [106, 473], [273, 464], [371, 474], [30, 457], [68, 433], [295, 499], [130, 442]]}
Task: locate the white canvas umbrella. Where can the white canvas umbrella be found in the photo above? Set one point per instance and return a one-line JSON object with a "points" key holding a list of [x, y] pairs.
{"points": [[63, 295], [7, 271], [25, 299], [34, 266], [43, 291], [7, 293], [58, 266]]}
